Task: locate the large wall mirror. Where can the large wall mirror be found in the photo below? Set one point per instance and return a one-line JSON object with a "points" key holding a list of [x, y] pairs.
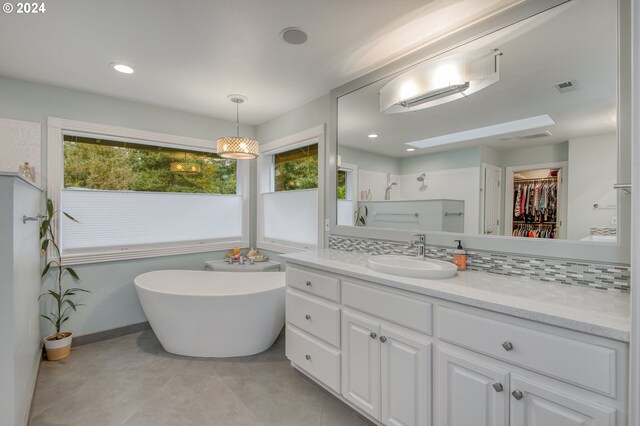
{"points": [[514, 133]]}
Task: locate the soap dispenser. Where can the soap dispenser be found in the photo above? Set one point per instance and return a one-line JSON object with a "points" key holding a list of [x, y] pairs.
{"points": [[460, 257]]}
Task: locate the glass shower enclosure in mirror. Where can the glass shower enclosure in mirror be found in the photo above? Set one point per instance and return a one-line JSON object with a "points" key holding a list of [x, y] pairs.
{"points": [[513, 133]]}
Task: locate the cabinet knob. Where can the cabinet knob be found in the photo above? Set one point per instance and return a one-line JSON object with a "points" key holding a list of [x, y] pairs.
{"points": [[372, 335], [308, 317], [383, 339], [308, 357], [308, 283], [498, 387], [507, 346], [517, 394]]}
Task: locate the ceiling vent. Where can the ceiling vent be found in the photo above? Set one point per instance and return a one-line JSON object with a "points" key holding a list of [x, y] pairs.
{"points": [[567, 86], [534, 136]]}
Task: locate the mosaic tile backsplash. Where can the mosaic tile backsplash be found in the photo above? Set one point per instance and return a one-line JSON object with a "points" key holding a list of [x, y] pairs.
{"points": [[604, 276]]}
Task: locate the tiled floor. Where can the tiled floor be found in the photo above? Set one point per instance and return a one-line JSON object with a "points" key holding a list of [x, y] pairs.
{"points": [[131, 380]]}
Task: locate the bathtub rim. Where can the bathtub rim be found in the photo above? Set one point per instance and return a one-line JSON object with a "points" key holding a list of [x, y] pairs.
{"points": [[279, 286]]}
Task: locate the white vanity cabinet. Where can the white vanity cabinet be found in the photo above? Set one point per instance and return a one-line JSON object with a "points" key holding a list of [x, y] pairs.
{"points": [[313, 325], [405, 358], [539, 376], [471, 393], [386, 370], [476, 393], [535, 404]]}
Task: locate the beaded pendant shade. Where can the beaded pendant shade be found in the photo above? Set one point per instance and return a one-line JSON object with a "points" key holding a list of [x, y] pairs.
{"points": [[237, 147]]}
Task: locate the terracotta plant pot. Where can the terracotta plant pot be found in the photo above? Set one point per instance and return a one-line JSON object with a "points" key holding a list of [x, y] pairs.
{"points": [[60, 348]]}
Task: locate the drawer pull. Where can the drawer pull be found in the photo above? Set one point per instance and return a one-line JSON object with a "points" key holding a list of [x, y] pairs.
{"points": [[372, 335], [308, 283], [507, 346], [307, 317], [383, 339], [308, 357], [517, 394], [498, 387]]}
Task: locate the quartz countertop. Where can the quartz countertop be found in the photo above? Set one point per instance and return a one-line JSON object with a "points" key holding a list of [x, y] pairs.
{"points": [[598, 312]]}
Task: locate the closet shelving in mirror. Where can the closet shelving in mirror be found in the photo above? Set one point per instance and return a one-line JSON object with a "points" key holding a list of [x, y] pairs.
{"points": [[535, 207]]}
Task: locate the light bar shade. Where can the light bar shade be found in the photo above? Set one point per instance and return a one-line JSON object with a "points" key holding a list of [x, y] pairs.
{"points": [[436, 82], [238, 148]]}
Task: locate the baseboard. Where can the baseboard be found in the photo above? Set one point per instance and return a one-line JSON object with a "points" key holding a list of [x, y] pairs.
{"points": [[110, 334]]}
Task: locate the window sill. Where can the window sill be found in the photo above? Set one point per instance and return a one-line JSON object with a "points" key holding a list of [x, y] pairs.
{"points": [[283, 247], [148, 252]]}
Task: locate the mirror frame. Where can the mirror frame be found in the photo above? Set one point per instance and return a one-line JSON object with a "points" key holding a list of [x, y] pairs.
{"points": [[618, 252]]}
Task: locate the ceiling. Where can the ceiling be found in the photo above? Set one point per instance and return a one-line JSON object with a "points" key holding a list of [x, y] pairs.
{"points": [[190, 55], [559, 45]]}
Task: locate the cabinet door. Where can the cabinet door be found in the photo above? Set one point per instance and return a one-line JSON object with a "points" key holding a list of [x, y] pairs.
{"points": [[406, 378], [535, 404], [471, 393], [361, 363]]}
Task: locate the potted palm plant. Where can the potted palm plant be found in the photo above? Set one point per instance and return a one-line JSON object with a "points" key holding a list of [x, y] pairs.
{"points": [[57, 345]]}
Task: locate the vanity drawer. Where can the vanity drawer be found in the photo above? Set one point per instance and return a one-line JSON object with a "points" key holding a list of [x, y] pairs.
{"points": [[588, 365], [319, 360], [314, 283], [317, 318], [412, 313]]}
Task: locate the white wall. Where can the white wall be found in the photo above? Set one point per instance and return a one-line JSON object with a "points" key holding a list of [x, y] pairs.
{"points": [[534, 155], [592, 173], [20, 344], [112, 302], [19, 144], [376, 182], [369, 160], [454, 184], [304, 117]]}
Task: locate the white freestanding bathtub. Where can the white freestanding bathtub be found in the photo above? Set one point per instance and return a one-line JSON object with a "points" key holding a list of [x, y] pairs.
{"points": [[213, 314]]}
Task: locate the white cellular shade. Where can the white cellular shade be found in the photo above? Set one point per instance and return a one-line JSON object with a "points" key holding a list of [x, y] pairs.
{"points": [[345, 212], [125, 219], [291, 217]]}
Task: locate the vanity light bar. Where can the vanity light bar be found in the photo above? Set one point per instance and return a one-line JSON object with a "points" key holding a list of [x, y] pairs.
{"points": [[436, 82], [435, 94], [524, 124]]}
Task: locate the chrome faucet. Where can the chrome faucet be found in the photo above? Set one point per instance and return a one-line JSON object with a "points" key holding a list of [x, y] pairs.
{"points": [[387, 191], [420, 243]]}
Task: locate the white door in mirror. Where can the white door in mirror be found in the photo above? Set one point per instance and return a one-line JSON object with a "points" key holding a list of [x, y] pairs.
{"points": [[410, 267]]}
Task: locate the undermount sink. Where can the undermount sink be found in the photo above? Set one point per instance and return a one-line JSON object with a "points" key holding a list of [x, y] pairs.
{"points": [[412, 267]]}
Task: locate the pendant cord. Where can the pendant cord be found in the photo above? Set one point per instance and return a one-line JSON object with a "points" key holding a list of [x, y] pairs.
{"points": [[237, 119]]}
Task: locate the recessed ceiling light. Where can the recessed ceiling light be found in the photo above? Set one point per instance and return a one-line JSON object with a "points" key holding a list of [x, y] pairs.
{"points": [[124, 69], [372, 136], [410, 149], [293, 35]]}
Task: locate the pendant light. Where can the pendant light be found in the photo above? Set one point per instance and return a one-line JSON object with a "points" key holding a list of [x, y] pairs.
{"points": [[237, 147]]}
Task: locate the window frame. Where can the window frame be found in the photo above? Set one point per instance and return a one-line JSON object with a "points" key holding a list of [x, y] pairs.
{"points": [[265, 184], [56, 127]]}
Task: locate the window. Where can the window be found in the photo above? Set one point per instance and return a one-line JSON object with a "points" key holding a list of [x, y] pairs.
{"points": [[142, 198], [341, 185], [290, 178], [102, 164], [347, 198], [296, 169]]}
